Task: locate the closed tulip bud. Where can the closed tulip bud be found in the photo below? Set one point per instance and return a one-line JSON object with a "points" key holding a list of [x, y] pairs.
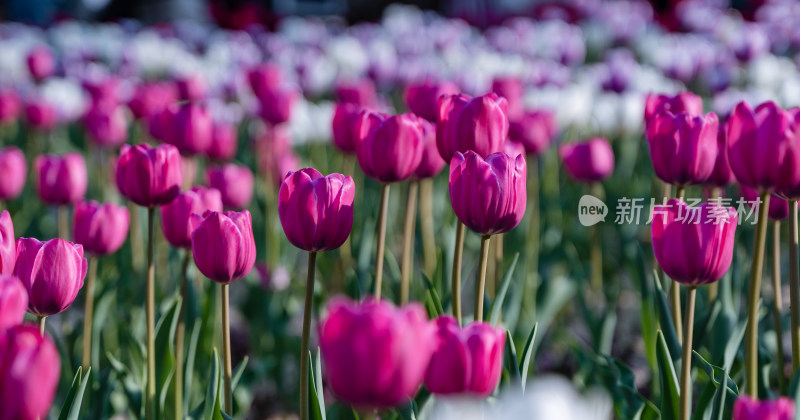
{"points": [[61, 179], [360, 92], [488, 196], [345, 125], [41, 63], [264, 78], [479, 124], [432, 162], [749, 408], [151, 98], [316, 211], [161, 124], [29, 370], [534, 129], [103, 92], [234, 182], [223, 246], [722, 175], [176, 215], [8, 244], [423, 99], [13, 302], [685, 102], [693, 245], [149, 176], [276, 105], [52, 271], [683, 148], [513, 90], [106, 126], [9, 106], [191, 88], [13, 171], [391, 146], [100, 228], [375, 354], [192, 129], [778, 207], [40, 115], [467, 360], [224, 142], [588, 161]]}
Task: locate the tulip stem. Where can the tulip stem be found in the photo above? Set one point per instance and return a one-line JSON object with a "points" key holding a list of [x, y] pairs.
{"points": [[226, 346], [456, 277], [88, 312], [794, 284], [63, 222], [150, 310], [686, 361], [713, 288], [408, 241], [312, 264], [480, 285], [777, 304], [498, 263], [426, 225], [180, 332], [754, 293], [675, 291], [384, 209], [532, 240], [41, 320]]}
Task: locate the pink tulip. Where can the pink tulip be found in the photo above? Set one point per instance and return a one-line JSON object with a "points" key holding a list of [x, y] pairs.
{"points": [[266, 77], [13, 171], [391, 146], [316, 211], [191, 88], [683, 148], [161, 124], [40, 115], [513, 90], [41, 63], [276, 105], [375, 354], [479, 124], [234, 182], [534, 129], [13, 302], [175, 215], [10, 106], [29, 370], [224, 142], [104, 93], [52, 271], [8, 244], [423, 99], [151, 98], [61, 179], [149, 176], [100, 228], [346, 121], [432, 162], [588, 161], [223, 246], [749, 408], [360, 92], [106, 126], [275, 155], [722, 175], [778, 207], [191, 129], [686, 102]]}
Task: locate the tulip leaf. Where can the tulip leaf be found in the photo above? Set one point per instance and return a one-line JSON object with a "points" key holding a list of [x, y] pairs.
{"points": [[133, 388], [718, 405], [75, 404], [73, 389], [211, 405], [527, 353], [191, 355], [316, 401], [497, 305], [432, 298], [715, 373], [165, 351], [319, 384], [717, 377], [669, 381], [512, 363], [238, 372], [666, 322]]}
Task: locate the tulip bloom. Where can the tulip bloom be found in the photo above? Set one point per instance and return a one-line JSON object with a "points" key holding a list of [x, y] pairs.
{"points": [[149, 176], [9, 106], [61, 179], [345, 125], [40, 115], [432, 162], [234, 182], [264, 78], [479, 124], [467, 360], [176, 215], [191, 88], [588, 161], [360, 92], [683, 148], [375, 354], [41, 63], [8, 245], [13, 302], [52, 271], [100, 228], [223, 245], [390, 149], [151, 98], [191, 129], [29, 370], [778, 207], [422, 99], [106, 126], [513, 90], [276, 105], [224, 142], [748, 408], [534, 129], [13, 171], [722, 175], [685, 102]]}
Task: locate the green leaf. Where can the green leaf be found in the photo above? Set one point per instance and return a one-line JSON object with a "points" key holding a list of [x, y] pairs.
{"points": [[497, 305], [669, 381], [75, 406], [71, 394], [715, 373], [666, 322], [433, 296], [238, 372], [718, 405], [314, 412], [319, 385], [212, 392], [165, 351], [512, 363], [526, 355]]}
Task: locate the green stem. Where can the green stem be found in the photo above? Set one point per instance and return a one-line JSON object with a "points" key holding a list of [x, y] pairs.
{"points": [[63, 222], [481, 283], [675, 291], [312, 261], [226, 346], [180, 333], [88, 312], [686, 361], [407, 265], [680, 192], [532, 240], [426, 226], [150, 310], [497, 243], [754, 293], [41, 320], [794, 285], [456, 277], [384, 209], [777, 301]]}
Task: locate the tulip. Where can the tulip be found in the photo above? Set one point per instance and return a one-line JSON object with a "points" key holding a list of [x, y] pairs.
{"points": [[13, 302], [479, 124], [422, 99], [264, 78], [106, 126], [40, 115], [535, 130], [360, 92], [467, 360], [191, 129], [29, 370], [9, 106], [191, 88], [41, 63], [8, 246], [431, 162], [749, 408], [149, 176], [778, 208], [513, 90], [345, 125], [161, 124], [61, 179], [13, 171], [234, 182], [588, 161], [686, 102], [722, 175], [683, 148], [175, 216], [100, 228], [276, 105], [375, 354], [103, 92], [694, 246], [224, 142], [151, 98]]}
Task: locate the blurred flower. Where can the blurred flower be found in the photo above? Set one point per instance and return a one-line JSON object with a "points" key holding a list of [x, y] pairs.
{"points": [[749, 408], [41, 63], [9, 106], [106, 126], [40, 115], [534, 129], [100, 228], [276, 105], [390, 148], [13, 302], [61, 179], [234, 182], [422, 99], [588, 161], [104, 93], [52, 272], [479, 124], [275, 280], [685, 102], [432, 162], [778, 207], [151, 98], [722, 175], [29, 375], [224, 142], [345, 124], [149, 176], [8, 244], [13, 172], [359, 92], [223, 246], [512, 89], [176, 215], [191, 88], [683, 147], [191, 129]]}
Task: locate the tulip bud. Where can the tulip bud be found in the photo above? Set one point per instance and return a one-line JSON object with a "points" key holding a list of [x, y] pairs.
{"points": [[432, 162], [191, 130], [52, 271], [8, 244], [13, 171], [9, 106], [106, 126], [191, 88], [224, 142], [61, 179], [588, 161], [316, 211], [151, 98], [264, 78], [41, 63], [749, 408], [722, 175], [234, 182], [683, 148], [29, 375], [513, 90], [488, 196], [103, 92], [149, 176], [360, 92], [161, 124], [685, 102], [693, 245], [13, 302], [40, 115], [423, 99], [535, 130], [389, 370], [100, 228], [778, 207], [391, 146], [479, 124], [175, 215], [346, 121], [223, 246]]}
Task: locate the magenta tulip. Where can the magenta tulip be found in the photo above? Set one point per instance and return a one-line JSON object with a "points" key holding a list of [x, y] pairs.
{"points": [[778, 207], [345, 125], [223, 246], [13, 302], [479, 124], [151, 98], [316, 211], [685, 102], [432, 162], [693, 245], [683, 148], [100, 228], [13, 171], [161, 124], [375, 354], [224, 142], [104, 93], [8, 244], [52, 271], [276, 105], [234, 182], [191, 88], [40, 115], [488, 196], [176, 215], [749, 408], [106, 126], [10, 106], [513, 90], [41, 63], [722, 175], [360, 92], [265, 77], [534, 129], [391, 146], [467, 360], [588, 161], [191, 129], [61, 179], [423, 99], [29, 370], [149, 176]]}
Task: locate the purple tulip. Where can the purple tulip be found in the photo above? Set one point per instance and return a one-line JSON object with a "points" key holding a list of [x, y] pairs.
{"points": [[749, 408], [41, 63], [360, 92], [513, 90], [61, 179], [224, 142], [151, 98], [722, 175], [276, 105], [683, 102], [191, 88], [52, 271], [693, 245], [265, 77], [223, 246], [161, 125], [10, 106], [29, 370], [778, 207], [40, 115], [432, 162], [176, 215], [534, 129], [345, 124], [683, 148], [13, 171], [234, 182], [375, 354], [479, 124], [13, 302], [100, 228], [588, 161], [316, 211], [106, 126], [423, 99], [8, 244], [390, 149], [104, 93], [488, 196], [191, 129], [149, 176]]}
